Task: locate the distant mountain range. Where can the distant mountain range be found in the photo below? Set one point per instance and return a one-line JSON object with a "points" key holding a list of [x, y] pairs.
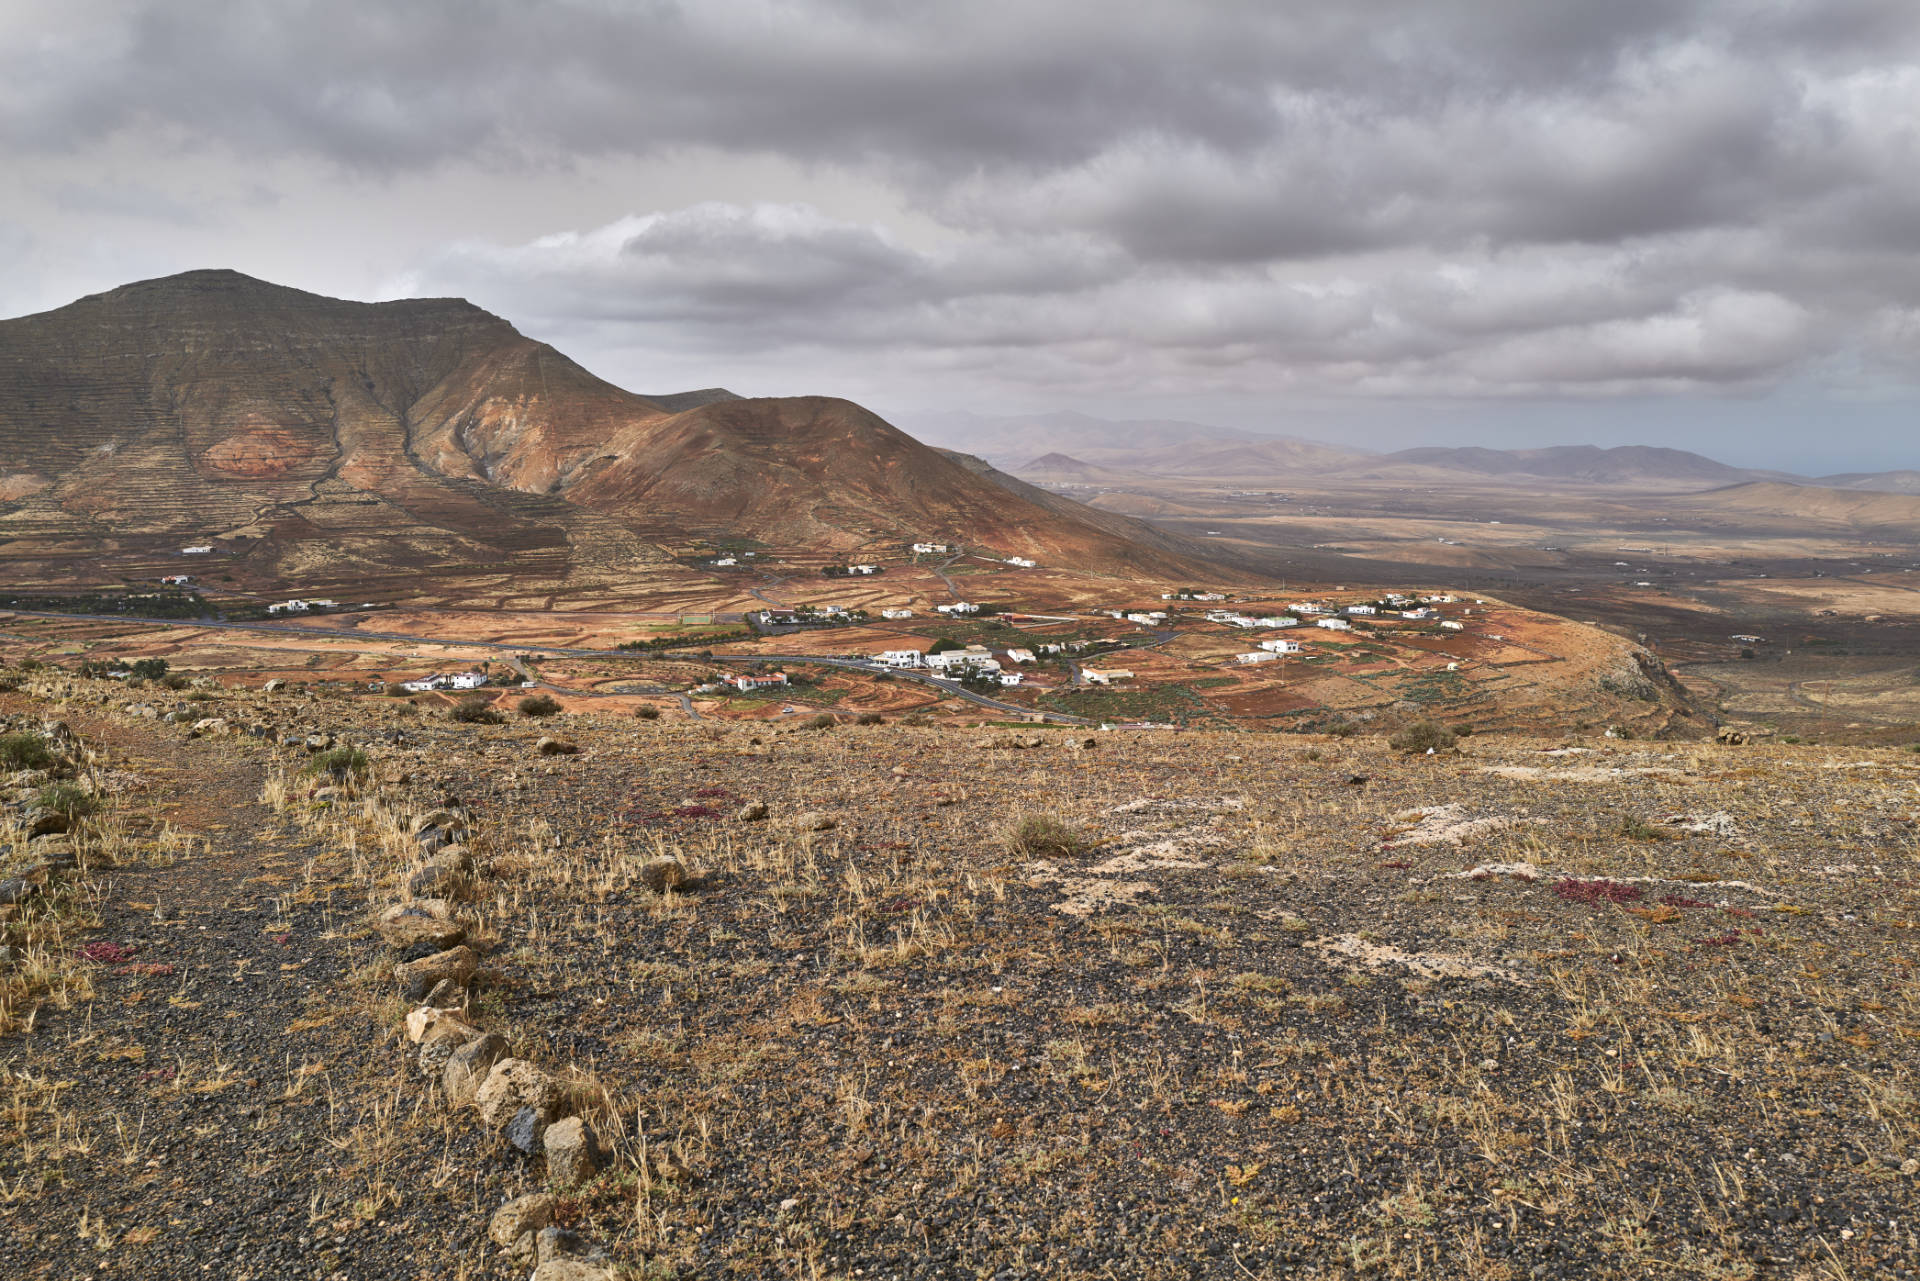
{"points": [[314, 437], [1073, 448]]}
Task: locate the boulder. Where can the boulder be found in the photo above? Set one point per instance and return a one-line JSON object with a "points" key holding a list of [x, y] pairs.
{"points": [[425, 1019], [522, 1216], [407, 925], [274, 686], [441, 1040], [663, 874], [514, 1084], [556, 747], [1079, 743], [750, 813], [207, 727], [469, 1066], [417, 978], [816, 821], [18, 889], [573, 1151], [317, 741]]}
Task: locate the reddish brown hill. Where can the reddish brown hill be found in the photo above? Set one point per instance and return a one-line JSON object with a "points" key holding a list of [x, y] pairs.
{"points": [[424, 432]]}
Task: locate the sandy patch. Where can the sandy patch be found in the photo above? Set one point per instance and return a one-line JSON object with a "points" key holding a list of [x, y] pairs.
{"points": [[1428, 965], [1445, 825]]}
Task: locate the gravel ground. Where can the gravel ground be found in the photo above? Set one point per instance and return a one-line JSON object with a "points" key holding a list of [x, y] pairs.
{"points": [[1285, 1007]]}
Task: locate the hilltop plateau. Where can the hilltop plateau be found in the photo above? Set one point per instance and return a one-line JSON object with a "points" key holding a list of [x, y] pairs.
{"points": [[316, 983]]}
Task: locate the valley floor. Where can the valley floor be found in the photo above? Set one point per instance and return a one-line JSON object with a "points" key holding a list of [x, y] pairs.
{"points": [[1235, 1005]]}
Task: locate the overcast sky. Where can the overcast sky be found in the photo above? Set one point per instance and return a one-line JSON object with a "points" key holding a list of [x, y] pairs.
{"points": [[1429, 221]]}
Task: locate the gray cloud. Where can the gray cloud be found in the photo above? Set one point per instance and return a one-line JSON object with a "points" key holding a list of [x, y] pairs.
{"points": [[1474, 199]]}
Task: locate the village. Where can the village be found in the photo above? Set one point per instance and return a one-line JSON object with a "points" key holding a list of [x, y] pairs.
{"points": [[936, 627]]}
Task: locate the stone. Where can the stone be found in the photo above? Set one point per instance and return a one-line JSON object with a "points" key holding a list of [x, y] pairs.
{"points": [[17, 890], [525, 1130], [522, 1216], [751, 813], [41, 821], [663, 874], [468, 1067], [445, 1037], [447, 872], [207, 727], [317, 741], [573, 1151], [1076, 743], [447, 994], [430, 1023], [560, 1243], [514, 1084], [406, 925], [555, 747], [816, 821], [417, 978], [433, 818], [274, 686]]}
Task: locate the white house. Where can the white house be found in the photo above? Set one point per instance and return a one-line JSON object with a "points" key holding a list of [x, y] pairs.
{"points": [[205, 550], [1335, 624], [958, 607], [899, 657], [288, 607], [447, 680], [1021, 561], [177, 580], [726, 562], [1308, 607], [929, 549], [1011, 678], [1361, 609], [1256, 656], [1277, 620], [863, 569], [1021, 656], [1452, 626], [959, 658], [896, 613], [1281, 646], [1422, 612], [746, 682], [1109, 676]]}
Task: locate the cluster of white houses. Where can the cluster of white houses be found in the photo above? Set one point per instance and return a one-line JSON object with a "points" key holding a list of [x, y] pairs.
{"points": [[298, 606]]}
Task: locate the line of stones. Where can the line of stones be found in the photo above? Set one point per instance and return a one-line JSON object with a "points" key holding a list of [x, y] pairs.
{"points": [[514, 1097]]}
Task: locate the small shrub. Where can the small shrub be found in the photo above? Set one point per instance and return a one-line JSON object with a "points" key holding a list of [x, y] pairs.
{"points": [[25, 751], [1423, 736], [476, 710], [1463, 730], [67, 799], [1343, 729], [538, 705], [175, 681], [1313, 753], [30, 664], [1044, 836], [1635, 828], [823, 720], [1598, 891], [340, 762], [868, 718], [151, 669], [917, 721], [648, 713]]}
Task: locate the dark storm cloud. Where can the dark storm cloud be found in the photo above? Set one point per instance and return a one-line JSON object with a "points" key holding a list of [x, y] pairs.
{"points": [[1403, 197]]}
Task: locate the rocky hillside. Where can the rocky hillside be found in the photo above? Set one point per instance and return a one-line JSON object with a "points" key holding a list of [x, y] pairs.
{"points": [[210, 405]]}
